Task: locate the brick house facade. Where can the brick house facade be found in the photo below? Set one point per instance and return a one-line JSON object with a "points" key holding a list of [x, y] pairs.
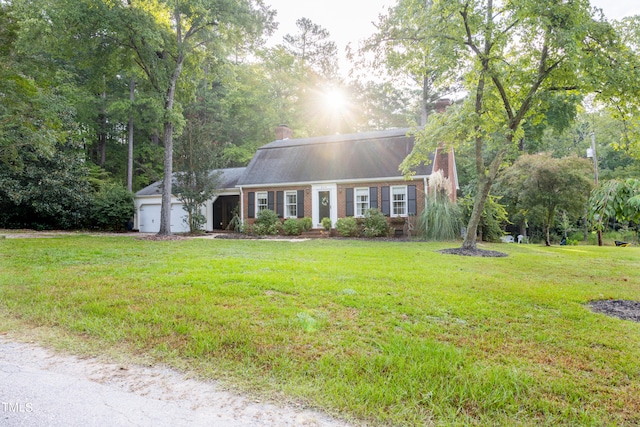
{"points": [[334, 176]]}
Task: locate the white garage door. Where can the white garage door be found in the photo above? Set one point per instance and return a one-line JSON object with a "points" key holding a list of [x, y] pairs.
{"points": [[150, 218]]}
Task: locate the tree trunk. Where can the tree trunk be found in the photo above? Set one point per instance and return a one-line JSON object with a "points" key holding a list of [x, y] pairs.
{"points": [[132, 87], [102, 133], [471, 237], [165, 209], [547, 240]]}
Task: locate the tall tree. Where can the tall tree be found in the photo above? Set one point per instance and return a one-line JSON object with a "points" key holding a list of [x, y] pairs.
{"points": [[313, 49], [402, 48], [43, 178], [512, 55], [166, 35]]}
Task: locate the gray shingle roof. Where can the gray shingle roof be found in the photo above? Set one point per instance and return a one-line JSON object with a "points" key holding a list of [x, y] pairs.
{"points": [[228, 179], [367, 155]]}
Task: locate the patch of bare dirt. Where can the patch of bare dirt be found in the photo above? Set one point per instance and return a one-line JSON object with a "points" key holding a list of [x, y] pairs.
{"points": [[473, 252], [622, 309], [156, 237]]}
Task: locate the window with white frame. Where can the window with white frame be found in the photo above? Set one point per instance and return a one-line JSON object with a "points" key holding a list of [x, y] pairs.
{"points": [[290, 204], [362, 201], [399, 200], [262, 201]]}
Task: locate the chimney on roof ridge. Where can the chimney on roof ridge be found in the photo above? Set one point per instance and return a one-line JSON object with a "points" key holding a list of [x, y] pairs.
{"points": [[283, 132], [442, 104]]}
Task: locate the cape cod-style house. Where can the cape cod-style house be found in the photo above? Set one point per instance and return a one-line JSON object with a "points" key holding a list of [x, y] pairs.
{"points": [[332, 176]]}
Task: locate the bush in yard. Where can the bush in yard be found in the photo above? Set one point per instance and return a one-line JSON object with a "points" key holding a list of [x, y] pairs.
{"points": [[292, 227], [306, 223], [326, 223], [112, 208], [348, 227], [266, 223], [375, 223]]}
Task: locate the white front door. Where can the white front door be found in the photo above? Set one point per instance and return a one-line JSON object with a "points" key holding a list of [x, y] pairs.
{"points": [[324, 203]]}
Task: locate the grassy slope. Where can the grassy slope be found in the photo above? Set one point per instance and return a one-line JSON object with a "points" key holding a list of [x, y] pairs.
{"points": [[392, 333]]}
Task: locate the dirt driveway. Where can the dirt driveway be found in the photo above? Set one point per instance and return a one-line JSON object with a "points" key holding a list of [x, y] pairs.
{"points": [[41, 388]]}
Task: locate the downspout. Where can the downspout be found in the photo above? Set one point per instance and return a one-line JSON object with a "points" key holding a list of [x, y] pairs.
{"points": [[426, 193], [241, 205]]}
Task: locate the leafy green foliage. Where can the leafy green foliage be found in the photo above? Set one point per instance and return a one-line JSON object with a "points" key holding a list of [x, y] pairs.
{"points": [[194, 158], [542, 186], [374, 223], [615, 199], [292, 227], [306, 223], [267, 223], [49, 191], [348, 227], [326, 223], [112, 208]]}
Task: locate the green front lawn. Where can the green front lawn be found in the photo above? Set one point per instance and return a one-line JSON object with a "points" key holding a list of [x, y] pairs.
{"points": [[386, 332]]}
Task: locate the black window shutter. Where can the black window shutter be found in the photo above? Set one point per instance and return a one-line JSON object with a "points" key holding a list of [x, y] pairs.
{"points": [[412, 206], [252, 204], [349, 201], [270, 200], [386, 206], [280, 204], [300, 202], [373, 197]]}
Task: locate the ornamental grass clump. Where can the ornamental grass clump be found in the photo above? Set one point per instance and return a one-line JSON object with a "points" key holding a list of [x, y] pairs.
{"points": [[441, 220]]}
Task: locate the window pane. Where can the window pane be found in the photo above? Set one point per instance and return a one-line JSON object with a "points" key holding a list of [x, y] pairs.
{"points": [[399, 201], [262, 201], [291, 202], [362, 201]]}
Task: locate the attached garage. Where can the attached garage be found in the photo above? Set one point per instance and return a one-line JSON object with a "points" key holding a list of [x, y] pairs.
{"points": [[225, 204], [149, 219]]}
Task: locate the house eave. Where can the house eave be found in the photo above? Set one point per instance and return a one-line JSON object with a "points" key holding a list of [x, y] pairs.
{"points": [[338, 181]]}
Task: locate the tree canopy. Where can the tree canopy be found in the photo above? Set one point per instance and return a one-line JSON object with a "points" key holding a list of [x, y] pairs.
{"points": [[513, 57]]}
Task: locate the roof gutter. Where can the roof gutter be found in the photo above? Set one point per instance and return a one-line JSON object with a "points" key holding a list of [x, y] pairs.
{"points": [[333, 181]]}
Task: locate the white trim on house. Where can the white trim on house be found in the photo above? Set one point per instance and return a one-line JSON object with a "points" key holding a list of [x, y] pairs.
{"points": [[332, 188]]}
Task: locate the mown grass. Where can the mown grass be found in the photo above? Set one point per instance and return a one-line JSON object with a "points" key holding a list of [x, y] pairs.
{"points": [[385, 332]]}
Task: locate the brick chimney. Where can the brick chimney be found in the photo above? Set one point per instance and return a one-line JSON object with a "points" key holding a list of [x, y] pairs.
{"points": [[283, 132], [444, 159]]}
